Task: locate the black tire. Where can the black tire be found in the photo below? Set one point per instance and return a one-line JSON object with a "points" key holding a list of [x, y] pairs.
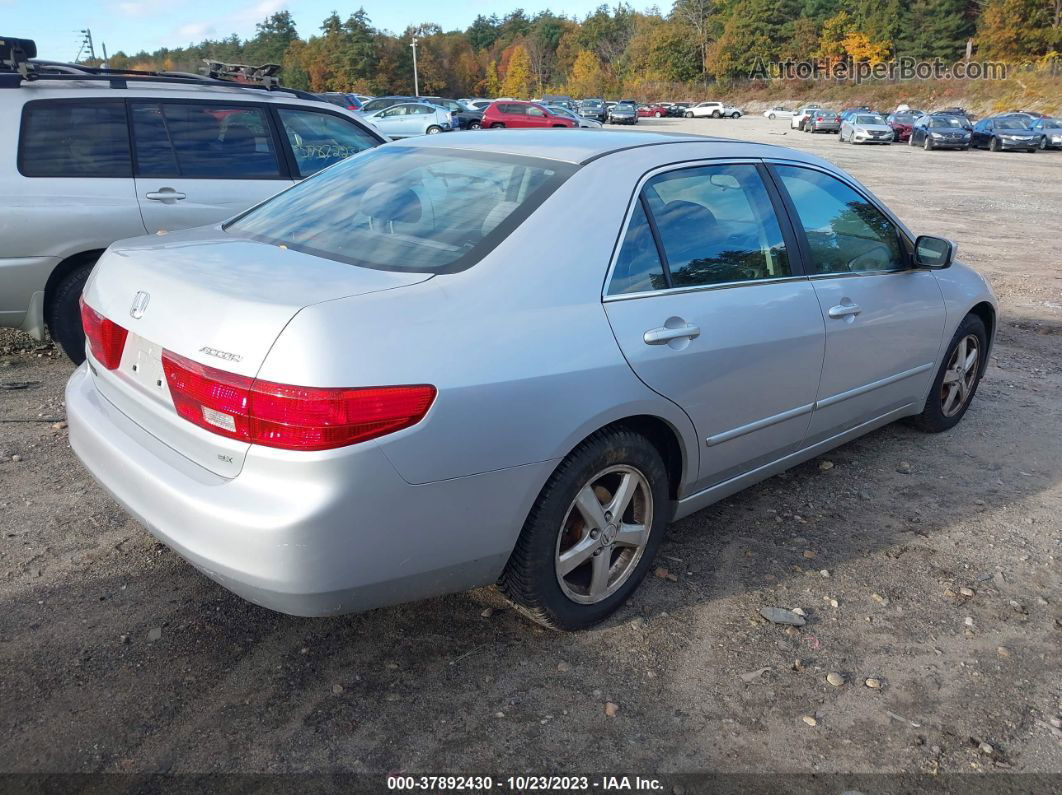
{"points": [[772, 117], [657, 114], [530, 578], [1043, 142], [433, 130], [927, 144], [993, 145], [932, 419], [474, 125], [497, 126], [63, 313], [715, 114], [688, 115], [911, 140]]}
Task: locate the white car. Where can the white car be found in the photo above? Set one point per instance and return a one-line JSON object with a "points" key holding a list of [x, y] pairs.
{"points": [[411, 118], [779, 113], [866, 128], [800, 115], [715, 110], [97, 158]]}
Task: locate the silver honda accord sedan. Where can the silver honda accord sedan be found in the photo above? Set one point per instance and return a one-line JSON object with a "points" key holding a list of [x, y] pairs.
{"points": [[507, 358]]}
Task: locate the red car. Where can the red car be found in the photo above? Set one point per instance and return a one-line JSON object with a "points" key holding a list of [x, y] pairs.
{"points": [[516, 114], [656, 111], [901, 124]]}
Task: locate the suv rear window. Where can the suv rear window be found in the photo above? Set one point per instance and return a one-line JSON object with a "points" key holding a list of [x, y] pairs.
{"points": [[406, 209], [74, 139]]}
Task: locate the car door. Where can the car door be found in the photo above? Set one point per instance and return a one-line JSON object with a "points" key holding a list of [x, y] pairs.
{"points": [[707, 302], [884, 318], [981, 133], [200, 162], [536, 117], [317, 138], [390, 122]]}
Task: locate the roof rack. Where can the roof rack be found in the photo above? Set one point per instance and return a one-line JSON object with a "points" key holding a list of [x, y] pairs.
{"points": [[19, 65]]}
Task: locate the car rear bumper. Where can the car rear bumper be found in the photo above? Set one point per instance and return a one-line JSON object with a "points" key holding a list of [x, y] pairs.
{"points": [[317, 535], [825, 126]]}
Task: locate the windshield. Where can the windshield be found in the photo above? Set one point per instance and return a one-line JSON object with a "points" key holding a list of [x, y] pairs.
{"points": [[406, 209], [945, 121], [1012, 124], [869, 118], [590, 103]]}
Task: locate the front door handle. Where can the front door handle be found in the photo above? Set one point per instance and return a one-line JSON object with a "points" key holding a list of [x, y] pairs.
{"points": [[844, 310], [165, 195], [664, 334]]}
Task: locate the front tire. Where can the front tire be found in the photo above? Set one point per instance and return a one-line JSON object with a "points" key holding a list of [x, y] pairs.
{"points": [[957, 379], [433, 130], [63, 313], [927, 144], [657, 114], [592, 534], [993, 145], [771, 116], [689, 115], [474, 125]]}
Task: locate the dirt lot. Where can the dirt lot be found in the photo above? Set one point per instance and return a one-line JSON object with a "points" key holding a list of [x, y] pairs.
{"points": [[930, 564]]}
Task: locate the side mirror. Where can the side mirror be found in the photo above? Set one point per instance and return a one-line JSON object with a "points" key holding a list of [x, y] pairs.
{"points": [[933, 252]]}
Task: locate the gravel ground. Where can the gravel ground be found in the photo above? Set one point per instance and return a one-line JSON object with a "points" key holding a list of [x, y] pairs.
{"points": [[928, 567]]}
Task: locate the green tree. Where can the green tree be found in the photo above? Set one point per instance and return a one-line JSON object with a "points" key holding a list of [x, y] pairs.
{"points": [[272, 38], [935, 29]]}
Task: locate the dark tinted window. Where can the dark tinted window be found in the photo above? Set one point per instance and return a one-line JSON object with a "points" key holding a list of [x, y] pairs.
{"points": [[74, 139], [320, 139], [717, 225], [203, 141], [638, 266], [846, 233]]}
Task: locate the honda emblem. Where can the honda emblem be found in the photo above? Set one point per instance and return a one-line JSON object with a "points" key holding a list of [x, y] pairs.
{"points": [[139, 306]]}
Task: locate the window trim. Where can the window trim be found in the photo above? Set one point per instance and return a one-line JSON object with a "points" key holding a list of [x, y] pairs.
{"points": [[289, 155], [20, 162], [903, 234], [789, 236]]}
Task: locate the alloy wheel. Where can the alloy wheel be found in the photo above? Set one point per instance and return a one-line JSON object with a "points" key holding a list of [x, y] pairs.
{"points": [[604, 533], [961, 376]]}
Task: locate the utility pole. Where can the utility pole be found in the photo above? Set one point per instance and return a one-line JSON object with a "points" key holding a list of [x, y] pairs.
{"points": [[86, 42], [416, 83]]}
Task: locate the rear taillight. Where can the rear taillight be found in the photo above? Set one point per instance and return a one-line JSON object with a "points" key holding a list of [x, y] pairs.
{"points": [[818, 118], [290, 417], [106, 339]]}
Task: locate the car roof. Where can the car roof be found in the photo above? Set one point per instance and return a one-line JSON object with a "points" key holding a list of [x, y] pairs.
{"points": [[581, 146]]}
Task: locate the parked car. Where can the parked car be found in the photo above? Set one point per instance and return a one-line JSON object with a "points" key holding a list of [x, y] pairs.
{"points": [[1050, 131], [1001, 133], [678, 109], [901, 123], [593, 109], [779, 112], [238, 413], [476, 104], [651, 111], [865, 128], [559, 99], [411, 118], [954, 111], [91, 164], [382, 103], [517, 114], [822, 120], [801, 116], [462, 117], [580, 121], [846, 112], [623, 113], [941, 131], [715, 110], [348, 101]]}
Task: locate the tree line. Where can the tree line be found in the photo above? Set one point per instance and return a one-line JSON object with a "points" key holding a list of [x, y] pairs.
{"points": [[620, 50]]}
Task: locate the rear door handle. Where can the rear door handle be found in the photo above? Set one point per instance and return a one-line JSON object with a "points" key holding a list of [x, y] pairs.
{"points": [[662, 335], [844, 310], [164, 194]]}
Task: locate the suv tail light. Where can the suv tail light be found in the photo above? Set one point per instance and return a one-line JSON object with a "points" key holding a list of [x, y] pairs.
{"points": [[106, 339], [286, 416]]}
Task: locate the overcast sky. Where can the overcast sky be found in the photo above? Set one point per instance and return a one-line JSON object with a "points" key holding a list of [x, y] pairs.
{"points": [[134, 25]]}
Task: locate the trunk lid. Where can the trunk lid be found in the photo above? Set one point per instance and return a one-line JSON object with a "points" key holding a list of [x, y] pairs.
{"points": [[214, 298]]}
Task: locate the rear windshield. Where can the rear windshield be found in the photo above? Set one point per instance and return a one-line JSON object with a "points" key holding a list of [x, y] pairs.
{"points": [[945, 121], [406, 209]]}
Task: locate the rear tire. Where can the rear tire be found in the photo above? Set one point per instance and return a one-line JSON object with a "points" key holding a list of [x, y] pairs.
{"points": [[497, 126], [556, 525], [937, 415], [63, 313], [657, 114], [474, 125], [771, 116], [433, 130], [689, 115], [715, 114]]}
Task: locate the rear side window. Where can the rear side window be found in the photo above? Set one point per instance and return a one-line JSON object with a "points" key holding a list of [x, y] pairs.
{"points": [[203, 141], [406, 209], [320, 139], [74, 139], [638, 267]]}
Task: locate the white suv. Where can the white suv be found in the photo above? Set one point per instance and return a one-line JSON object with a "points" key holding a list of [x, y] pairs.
{"points": [[89, 158], [716, 110]]}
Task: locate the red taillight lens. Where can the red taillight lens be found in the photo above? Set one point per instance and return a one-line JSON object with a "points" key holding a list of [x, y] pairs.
{"points": [[818, 118], [290, 417], [106, 338]]}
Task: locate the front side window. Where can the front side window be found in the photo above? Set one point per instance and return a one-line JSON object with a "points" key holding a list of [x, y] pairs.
{"points": [[203, 141], [74, 139], [533, 111], [845, 232], [406, 209], [320, 139]]}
